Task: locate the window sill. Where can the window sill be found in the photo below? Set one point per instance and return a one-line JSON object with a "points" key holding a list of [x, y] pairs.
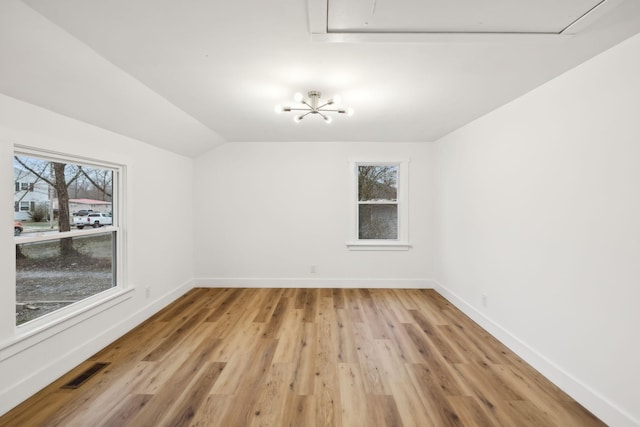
{"points": [[53, 323], [378, 245]]}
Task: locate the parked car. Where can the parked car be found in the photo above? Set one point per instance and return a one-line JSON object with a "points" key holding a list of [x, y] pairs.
{"points": [[95, 219], [83, 212], [17, 228]]}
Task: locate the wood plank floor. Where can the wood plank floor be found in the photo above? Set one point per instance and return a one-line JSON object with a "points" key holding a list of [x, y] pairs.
{"points": [[306, 357]]}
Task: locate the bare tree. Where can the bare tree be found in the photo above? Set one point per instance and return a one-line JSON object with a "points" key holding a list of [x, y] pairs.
{"points": [[377, 182], [59, 182], [64, 218], [104, 176]]}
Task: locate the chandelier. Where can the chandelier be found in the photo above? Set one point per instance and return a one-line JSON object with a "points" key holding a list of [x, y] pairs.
{"points": [[313, 105]]}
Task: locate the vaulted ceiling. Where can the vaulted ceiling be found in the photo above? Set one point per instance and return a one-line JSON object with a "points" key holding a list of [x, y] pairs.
{"points": [[190, 75]]}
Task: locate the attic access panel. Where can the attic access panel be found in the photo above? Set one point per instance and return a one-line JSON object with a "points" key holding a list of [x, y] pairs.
{"points": [[456, 16]]}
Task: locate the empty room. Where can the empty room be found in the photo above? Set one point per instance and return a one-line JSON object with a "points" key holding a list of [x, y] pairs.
{"points": [[320, 213]]}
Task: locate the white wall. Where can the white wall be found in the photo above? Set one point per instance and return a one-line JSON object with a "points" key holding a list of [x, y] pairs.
{"points": [[159, 238], [266, 212], [539, 209]]}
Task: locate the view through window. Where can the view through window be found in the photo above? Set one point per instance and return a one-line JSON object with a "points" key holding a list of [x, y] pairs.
{"points": [[378, 202], [66, 233]]}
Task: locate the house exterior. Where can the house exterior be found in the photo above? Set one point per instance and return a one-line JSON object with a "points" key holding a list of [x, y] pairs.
{"points": [[76, 205], [29, 191]]}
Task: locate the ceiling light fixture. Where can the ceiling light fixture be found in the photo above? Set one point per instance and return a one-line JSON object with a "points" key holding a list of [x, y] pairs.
{"points": [[314, 106]]}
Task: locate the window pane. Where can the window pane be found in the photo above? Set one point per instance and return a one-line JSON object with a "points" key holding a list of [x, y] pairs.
{"points": [[379, 221], [377, 182], [62, 188], [47, 281]]}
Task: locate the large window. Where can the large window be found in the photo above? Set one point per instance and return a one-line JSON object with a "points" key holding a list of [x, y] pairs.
{"points": [[380, 214], [58, 264]]}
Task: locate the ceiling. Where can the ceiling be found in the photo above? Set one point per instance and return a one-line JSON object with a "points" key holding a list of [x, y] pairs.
{"points": [[519, 16], [190, 75]]}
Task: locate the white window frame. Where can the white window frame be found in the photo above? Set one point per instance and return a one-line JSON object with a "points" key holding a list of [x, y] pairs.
{"points": [[77, 312], [354, 243]]}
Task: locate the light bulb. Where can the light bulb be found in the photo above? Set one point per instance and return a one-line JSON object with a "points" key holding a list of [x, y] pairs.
{"points": [[297, 119], [337, 99], [349, 111], [328, 119], [279, 109], [297, 97]]}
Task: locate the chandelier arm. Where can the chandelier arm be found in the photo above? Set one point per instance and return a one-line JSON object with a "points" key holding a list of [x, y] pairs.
{"points": [[322, 115], [306, 114], [300, 109], [304, 101]]}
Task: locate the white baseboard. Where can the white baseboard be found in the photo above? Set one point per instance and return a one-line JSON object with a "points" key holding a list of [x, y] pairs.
{"points": [[225, 282], [44, 375], [604, 409]]}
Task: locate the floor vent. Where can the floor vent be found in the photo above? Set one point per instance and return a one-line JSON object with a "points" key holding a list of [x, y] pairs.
{"points": [[80, 379]]}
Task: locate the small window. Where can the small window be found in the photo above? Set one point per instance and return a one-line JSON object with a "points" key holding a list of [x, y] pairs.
{"points": [[377, 202], [379, 215], [24, 206], [24, 186]]}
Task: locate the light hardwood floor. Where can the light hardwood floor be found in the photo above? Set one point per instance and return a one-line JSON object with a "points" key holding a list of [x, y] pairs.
{"points": [[306, 357]]}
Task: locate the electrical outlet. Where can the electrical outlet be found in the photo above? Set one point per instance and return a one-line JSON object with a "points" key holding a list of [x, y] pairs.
{"points": [[312, 269]]}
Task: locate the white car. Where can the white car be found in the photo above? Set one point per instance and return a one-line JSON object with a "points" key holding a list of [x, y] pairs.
{"points": [[94, 219]]}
